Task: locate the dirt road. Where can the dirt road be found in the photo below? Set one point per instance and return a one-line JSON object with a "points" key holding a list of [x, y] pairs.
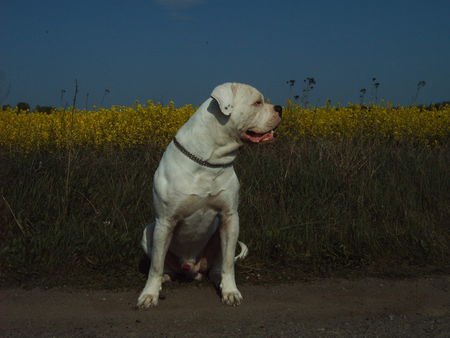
{"points": [[328, 308]]}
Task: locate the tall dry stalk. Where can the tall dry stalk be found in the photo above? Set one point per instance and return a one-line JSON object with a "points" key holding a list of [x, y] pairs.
{"points": [[70, 151]]}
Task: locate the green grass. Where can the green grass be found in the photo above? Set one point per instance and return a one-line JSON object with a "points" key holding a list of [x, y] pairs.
{"points": [[316, 207], [325, 206]]}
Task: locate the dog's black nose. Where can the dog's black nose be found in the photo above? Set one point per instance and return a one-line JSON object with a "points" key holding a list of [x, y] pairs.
{"points": [[279, 110]]}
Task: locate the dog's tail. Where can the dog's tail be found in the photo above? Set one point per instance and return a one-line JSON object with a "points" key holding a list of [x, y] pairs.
{"points": [[243, 253]]}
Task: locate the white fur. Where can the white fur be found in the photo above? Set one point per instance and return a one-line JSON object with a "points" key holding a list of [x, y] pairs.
{"points": [[194, 203]]}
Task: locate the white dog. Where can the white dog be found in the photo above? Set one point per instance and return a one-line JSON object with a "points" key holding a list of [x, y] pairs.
{"points": [[196, 191]]}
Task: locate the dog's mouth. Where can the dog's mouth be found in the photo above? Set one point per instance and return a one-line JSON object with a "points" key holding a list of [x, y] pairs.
{"points": [[255, 137]]}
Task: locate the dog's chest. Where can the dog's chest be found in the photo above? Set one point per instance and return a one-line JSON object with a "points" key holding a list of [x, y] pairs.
{"points": [[200, 206], [208, 187]]}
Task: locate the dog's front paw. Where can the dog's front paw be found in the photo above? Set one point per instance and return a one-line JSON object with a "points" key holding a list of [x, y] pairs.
{"points": [[147, 300], [233, 298]]}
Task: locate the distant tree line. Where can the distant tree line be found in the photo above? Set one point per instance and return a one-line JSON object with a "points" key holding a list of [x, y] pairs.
{"points": [[24, 107], [308, 85]]}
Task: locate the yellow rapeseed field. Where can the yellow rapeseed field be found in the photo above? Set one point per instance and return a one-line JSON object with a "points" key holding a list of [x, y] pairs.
{"points": [[373, 121], [156, 124]]}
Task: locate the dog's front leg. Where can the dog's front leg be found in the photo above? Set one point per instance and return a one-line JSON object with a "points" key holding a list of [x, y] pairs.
{"points": [[162, 236], [229, 232]]}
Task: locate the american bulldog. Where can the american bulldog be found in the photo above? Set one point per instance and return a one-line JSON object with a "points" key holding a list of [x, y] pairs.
{"points": [[196, 192]]}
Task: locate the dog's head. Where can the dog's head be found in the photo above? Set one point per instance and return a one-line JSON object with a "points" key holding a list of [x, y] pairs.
{"points": [[248, 114]]}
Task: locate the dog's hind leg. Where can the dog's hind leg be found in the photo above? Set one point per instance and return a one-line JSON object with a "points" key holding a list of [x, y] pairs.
{"points": [[147, 239], [146, 244]]}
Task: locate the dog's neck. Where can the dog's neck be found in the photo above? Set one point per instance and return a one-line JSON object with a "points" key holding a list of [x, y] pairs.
{"points": [[204, 135]]}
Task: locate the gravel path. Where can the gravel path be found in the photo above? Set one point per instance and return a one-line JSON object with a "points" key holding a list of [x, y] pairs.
{"points": [[324, 308]]}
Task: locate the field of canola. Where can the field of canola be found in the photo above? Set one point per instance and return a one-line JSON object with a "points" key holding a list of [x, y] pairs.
{"points": [[123, 127]]}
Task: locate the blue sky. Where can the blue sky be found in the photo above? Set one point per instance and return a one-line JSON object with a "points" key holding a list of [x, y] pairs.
{"points": [[179, 50]]}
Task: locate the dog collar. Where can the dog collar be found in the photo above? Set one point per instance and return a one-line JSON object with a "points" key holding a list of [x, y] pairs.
{"points": [[197, 159]]}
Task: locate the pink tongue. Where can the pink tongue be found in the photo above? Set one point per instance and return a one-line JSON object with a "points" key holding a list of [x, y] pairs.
{"points": [[259, 138]]}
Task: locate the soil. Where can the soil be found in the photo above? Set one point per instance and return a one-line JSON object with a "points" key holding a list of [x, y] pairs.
{"points": [[323, 308]]}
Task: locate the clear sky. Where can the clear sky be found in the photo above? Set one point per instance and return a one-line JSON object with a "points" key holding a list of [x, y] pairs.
{"points": [[180, 49]]}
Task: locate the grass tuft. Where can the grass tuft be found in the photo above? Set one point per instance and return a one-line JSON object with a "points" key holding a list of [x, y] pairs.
{"points": [[317, 206]]}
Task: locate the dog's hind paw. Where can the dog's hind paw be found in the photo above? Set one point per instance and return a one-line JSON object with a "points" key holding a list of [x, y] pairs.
{"points": [[146, 300], [233, 298]]}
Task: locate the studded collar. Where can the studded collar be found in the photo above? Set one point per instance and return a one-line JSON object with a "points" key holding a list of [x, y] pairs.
{"points": [[198, 160]]}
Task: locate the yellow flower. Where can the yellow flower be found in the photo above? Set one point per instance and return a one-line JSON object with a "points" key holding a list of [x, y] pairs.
{"points": [[155, 124]]}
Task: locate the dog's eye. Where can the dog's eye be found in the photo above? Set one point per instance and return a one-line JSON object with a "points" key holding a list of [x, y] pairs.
{"points": [[258, 103]]}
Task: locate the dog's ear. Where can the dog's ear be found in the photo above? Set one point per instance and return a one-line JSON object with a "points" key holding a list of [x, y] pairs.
{"points": [[224, 95]]}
